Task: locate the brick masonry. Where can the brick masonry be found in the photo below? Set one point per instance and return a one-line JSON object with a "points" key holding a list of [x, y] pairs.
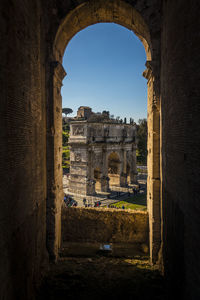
{"points": [[180, 106]]}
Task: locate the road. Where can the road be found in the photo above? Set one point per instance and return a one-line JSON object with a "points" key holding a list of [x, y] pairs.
{"points": [[113, 197]]}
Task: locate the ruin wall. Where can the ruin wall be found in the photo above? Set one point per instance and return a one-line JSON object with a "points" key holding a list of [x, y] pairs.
{"points": [[104, 225]]}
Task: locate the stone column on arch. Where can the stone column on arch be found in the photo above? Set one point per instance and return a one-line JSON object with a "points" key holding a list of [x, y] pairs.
{"points": [[90, 181], [153, 158], [104, 178], [133, 166], [54, 158], [123, 168]]}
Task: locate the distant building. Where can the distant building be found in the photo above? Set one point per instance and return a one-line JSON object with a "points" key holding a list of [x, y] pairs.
{"points": [[84, 112]]}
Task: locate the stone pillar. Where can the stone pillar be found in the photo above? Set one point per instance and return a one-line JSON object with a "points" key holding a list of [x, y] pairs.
{"points": [[123, 173], [153, 159], [104, 178], [54, 159], [90, 186], [133, 177], [81, 171], [105, 184], [123, 179], [90, 182], [133, 168]]}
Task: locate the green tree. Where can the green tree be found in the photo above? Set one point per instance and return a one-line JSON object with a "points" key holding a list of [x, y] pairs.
{"points": [[67, 111], [66, 158], [65, 137], [141, 141]]}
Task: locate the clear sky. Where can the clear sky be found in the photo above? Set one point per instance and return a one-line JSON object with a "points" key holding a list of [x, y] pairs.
{"points": [[104, 65]]}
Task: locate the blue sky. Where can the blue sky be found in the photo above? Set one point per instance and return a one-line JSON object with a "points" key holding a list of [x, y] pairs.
{"points": [[104, 65]]}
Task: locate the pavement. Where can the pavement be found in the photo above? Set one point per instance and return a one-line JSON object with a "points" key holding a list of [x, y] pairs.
{"points": [[114, 197]]}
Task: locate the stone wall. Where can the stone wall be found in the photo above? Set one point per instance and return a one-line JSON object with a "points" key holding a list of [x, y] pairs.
{"points": [[22, 149], [104, 225], [180, 92]]}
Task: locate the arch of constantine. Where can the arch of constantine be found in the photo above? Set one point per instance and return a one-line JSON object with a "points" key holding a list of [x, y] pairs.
{"points": [[99, 151]]}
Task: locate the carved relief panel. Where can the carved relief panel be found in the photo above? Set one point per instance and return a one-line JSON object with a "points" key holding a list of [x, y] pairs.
{"points": [[77, 157], [77, 130]]}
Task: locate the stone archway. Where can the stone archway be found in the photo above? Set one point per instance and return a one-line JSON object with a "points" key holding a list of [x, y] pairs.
{"points": [[114, 168], [99, 11], [88, 13], [97, 178]]}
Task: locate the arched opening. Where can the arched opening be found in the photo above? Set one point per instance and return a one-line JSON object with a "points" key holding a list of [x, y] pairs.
{"points": [[97, 178], [98, 12], [114, 169], [84, 15]]}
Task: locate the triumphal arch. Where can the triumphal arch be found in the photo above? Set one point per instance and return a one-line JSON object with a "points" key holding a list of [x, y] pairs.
{"points": [[99, 152]]}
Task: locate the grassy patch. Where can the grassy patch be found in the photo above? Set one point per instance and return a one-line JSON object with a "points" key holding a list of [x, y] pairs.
{"points": [[138, 202]]}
